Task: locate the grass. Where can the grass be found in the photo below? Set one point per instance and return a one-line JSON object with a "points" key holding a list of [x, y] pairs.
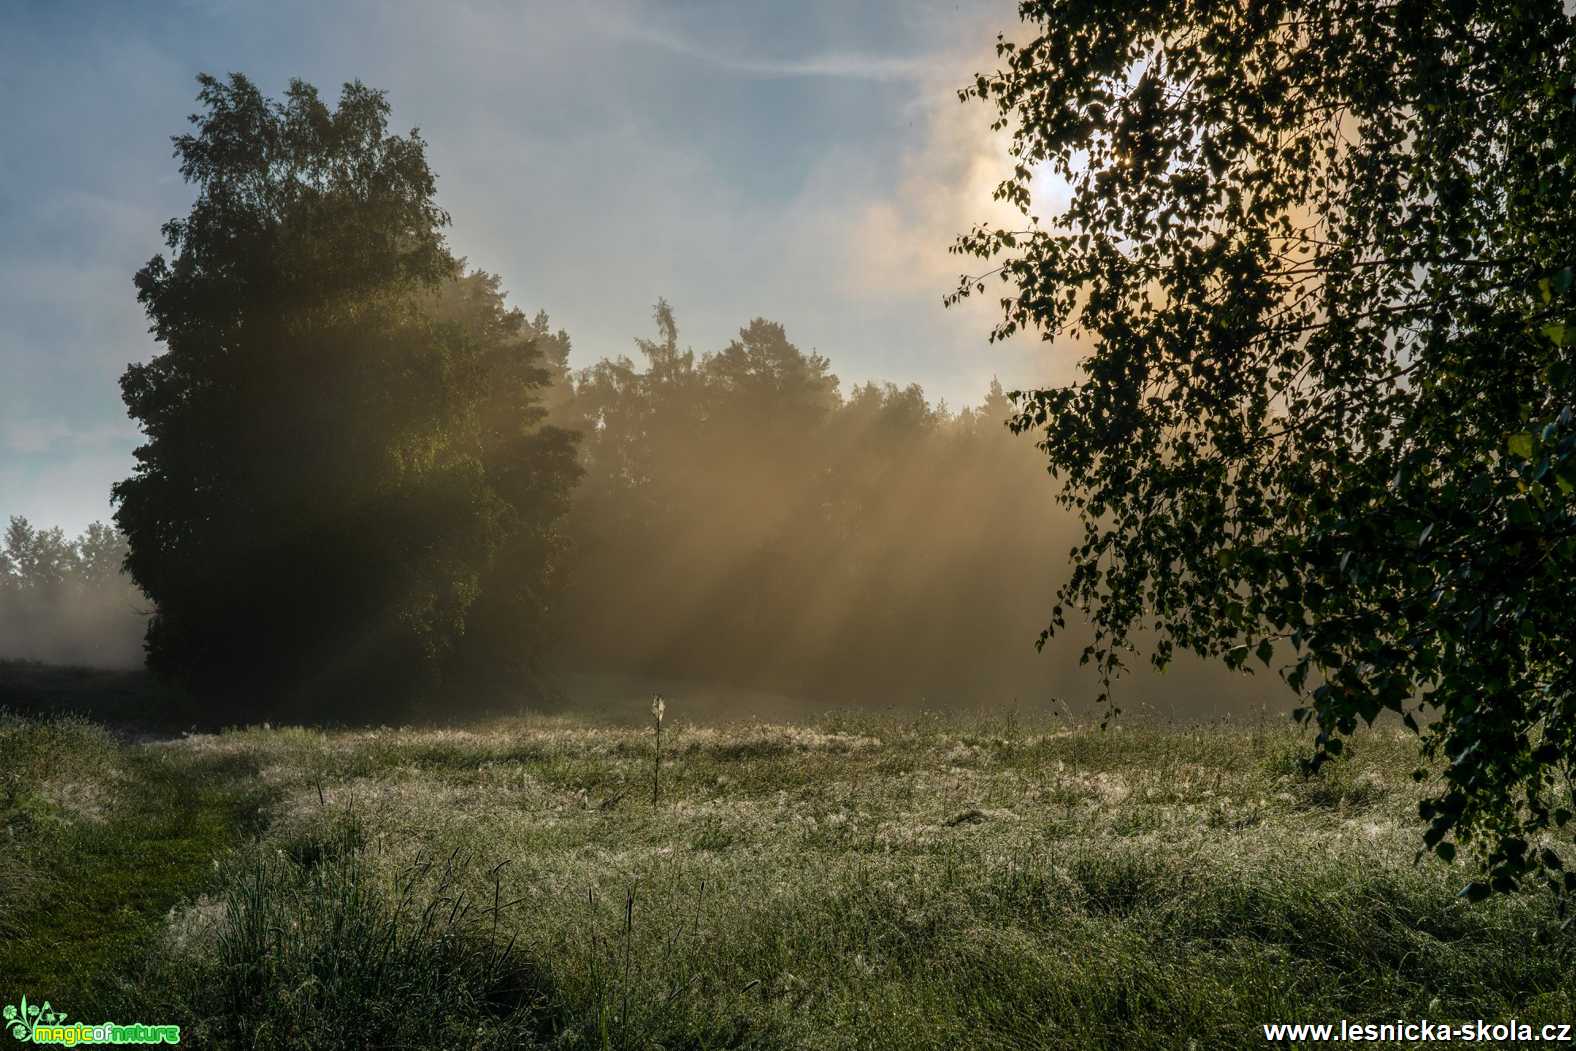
{"points": [[868, 880], [104, 840]]}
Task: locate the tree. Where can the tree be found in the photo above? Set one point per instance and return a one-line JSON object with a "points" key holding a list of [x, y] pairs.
{"points": [[529, 470], [35, 560], [42, 560], [762, 372], [339, 425], [1323, 254], [100, 553]]}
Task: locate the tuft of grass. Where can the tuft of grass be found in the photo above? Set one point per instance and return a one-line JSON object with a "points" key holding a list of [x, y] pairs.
{"points": [[327, 953]]}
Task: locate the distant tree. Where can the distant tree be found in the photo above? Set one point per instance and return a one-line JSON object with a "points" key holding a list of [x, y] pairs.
{"points": [[553, 348], [741, 522], [666, 365], [762, 374], [1323, 255], [336, 424], [16, 553], [100, 554], [66, 601], [36, 560], [691, 463]]}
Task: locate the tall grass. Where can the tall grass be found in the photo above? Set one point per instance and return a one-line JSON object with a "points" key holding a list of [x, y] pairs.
{"points": [[303, 942], [870, 881]]}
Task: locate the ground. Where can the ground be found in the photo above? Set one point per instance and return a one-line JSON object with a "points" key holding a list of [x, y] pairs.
{"points": [[869, 879]]}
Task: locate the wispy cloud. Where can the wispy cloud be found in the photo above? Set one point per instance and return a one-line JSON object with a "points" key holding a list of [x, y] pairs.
{"points": [[844, 65], [588, 153]]}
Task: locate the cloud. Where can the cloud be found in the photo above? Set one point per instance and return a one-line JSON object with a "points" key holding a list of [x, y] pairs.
{"points": [[888, 244], [851, 65], [810, 166]]}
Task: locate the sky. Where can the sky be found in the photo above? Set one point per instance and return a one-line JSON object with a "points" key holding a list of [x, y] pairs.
{"points": [[807, 162]]}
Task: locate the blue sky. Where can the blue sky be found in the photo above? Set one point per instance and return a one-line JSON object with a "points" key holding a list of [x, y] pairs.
{"points": [[803, 161]]}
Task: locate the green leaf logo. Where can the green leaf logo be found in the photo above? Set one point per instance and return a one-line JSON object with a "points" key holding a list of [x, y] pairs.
{"points": [[16, 1019]]}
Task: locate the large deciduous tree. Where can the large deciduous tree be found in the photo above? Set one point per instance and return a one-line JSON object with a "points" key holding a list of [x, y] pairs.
{"points": [[1322, 257], [340, 433]]}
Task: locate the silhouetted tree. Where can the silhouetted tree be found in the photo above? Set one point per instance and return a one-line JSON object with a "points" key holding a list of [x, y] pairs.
{"points": [[530, 469], [1323, 253], [339, 428]]}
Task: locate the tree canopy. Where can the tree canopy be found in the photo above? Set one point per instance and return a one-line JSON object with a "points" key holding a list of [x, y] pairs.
{"points": [[1322, 257], [342, 444]]}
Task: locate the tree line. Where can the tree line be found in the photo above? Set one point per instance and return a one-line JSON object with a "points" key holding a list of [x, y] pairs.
{"points": [[66, 600], [741, 518], [367, 481], [729, 517]]}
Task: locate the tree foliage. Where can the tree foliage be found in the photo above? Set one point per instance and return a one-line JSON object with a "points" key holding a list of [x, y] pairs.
{"points": [[743, 521], [38, 561], [343, 453], [529, 470], [1322, 254]]}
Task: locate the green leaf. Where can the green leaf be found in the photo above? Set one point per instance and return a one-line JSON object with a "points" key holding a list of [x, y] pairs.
{"points": [[1233, 401]]}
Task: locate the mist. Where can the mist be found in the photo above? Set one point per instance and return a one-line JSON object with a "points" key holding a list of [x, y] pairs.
{"points": [[752, 535], [750, 538], [67, 601]]}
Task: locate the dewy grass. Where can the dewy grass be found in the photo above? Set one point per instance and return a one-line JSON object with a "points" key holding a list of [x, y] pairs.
{"points": [[873, 881], [102, 840], [328, 953]]}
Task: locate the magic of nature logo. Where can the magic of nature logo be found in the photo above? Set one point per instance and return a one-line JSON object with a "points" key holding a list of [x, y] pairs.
{"points": [[42, 1024]]}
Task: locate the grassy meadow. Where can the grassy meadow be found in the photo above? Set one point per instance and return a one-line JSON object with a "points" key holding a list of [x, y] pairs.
{"points": [[861, 880]]}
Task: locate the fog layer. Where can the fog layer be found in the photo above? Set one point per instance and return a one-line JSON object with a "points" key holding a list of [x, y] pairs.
{"points": [[745, 521], [746, 528], [66, 601]]}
